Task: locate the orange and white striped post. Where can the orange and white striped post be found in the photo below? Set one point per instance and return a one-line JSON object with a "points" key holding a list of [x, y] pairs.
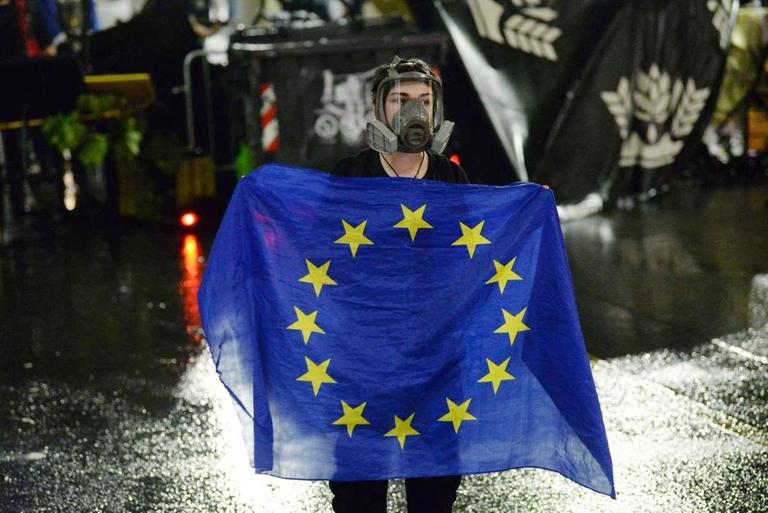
{"points": [[270, 130]]}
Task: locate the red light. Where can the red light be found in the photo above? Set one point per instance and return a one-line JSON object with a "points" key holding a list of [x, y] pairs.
{"points": [[189, 219], [455, 159]]}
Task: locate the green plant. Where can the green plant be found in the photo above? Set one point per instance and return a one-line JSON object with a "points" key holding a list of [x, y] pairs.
{"points": [[98, 124]]}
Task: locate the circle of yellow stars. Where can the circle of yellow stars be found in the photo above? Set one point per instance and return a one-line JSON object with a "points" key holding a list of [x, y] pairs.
{"points": [[307, 323]]}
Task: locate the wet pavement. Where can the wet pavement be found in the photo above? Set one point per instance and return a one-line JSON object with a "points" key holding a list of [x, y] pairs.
{"points": [[109, 402]]}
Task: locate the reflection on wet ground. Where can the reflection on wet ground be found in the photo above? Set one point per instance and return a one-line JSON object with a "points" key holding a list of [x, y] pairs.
{"points": [[671, 274], [75, 302], [108, 401]]}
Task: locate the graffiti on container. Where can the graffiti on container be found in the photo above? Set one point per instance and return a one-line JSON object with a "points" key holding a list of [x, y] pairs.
{"points": [[345, 107]]}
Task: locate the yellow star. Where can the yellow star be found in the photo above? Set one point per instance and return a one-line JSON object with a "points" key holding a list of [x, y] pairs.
{"points": [[413, 220], [352, 417], [457, 414], [496, 374], [504, 273], [305, 324], [316, 374], [403, 429], [318, 276], [354, 236], [471, 237], [513, 324]]}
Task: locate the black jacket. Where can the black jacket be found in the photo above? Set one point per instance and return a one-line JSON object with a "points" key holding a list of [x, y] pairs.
{"points": [[366, 164]]}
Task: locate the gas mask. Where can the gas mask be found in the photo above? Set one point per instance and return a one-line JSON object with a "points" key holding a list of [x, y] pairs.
{"points": [[408, 115]]}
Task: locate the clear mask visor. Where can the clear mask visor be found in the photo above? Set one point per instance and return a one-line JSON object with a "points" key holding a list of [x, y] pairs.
{"points": [[404, 90]]}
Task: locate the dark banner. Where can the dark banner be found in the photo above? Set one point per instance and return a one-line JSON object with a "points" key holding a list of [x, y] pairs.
{"points": [[522, 57], [645, 96], [582, 94]]}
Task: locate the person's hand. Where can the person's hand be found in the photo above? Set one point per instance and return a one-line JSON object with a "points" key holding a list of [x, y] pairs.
{"points": [[51, 50], [203, 31]]}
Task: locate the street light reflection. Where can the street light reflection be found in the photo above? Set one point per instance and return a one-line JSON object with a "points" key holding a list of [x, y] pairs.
{"points": [[192, 270], [200, 385]]}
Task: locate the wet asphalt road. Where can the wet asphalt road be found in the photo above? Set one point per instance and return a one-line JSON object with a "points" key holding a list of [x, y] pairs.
{"points": [[108, 401]]}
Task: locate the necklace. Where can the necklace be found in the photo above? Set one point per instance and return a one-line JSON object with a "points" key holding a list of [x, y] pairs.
{"points": [[418, 168]]}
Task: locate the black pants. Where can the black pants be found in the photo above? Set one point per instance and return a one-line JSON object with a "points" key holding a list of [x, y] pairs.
{"points": [[425, 495]]}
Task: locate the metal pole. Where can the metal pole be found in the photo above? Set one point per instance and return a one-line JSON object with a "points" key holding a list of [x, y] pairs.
{"points": [[191, 56], [209, 108], [85, 27], [191, 143]]}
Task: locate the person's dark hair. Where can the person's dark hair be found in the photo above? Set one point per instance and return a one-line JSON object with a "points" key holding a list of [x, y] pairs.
{"points": [[398, 65]]}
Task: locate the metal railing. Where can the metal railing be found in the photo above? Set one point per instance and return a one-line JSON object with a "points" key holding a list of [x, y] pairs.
{"points": [[189, 98]]}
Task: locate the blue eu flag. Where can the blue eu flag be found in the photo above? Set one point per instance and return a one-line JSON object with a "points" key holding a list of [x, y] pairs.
{"points": [[385, 328]]}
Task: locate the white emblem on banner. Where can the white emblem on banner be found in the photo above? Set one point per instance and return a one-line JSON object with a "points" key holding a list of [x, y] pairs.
{"points": [[528, 30], [721, 13], [344, 110], [653, 140]]}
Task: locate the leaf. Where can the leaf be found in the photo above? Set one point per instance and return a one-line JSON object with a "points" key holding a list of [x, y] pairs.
{"points": [[661, 107], [532, 37], [538, 30], [552, 34], [642, 102], [85, 103], [623, 89], [689, 109], [514, 22], [610, 97], [64, 131], [96, 104], [677, 90], [94, 150], [664, 82], [643, 82], [129, 138], [544, 14]]}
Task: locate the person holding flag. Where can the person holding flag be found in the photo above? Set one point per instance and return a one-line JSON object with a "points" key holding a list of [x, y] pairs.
{"points": [[421, 328], [406, 139]]}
